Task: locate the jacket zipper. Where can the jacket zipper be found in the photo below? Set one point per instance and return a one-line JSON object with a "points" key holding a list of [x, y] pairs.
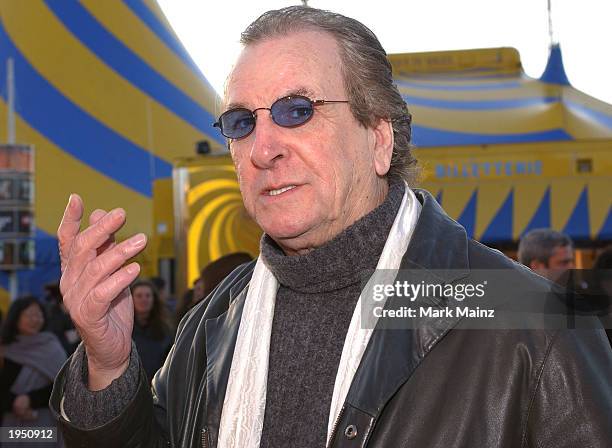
{"points": [[335, 427], [205, 442]]}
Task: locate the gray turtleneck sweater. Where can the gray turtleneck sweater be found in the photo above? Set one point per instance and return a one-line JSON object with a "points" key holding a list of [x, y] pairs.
{"points": [[314, 305]]}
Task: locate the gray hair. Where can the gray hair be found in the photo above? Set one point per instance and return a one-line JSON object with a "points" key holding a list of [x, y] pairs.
{"points": [[366, 72], [539, 245]]}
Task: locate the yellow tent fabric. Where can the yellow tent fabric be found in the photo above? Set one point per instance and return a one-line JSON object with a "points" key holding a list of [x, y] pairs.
{"points": [[506, 153], [109, 97]]}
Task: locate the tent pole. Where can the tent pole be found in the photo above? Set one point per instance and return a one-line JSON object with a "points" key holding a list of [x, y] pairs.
{"points": [[10, 88]]}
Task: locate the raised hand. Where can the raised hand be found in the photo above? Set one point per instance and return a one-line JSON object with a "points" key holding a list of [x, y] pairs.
{"points": [[94, 286]]}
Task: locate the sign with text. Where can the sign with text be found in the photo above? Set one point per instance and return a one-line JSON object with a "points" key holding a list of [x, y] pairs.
{"points": [[16, 206]]}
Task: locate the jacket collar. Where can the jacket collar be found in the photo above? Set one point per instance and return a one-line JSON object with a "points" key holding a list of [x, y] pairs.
{"points": [[438, 243], [438, 247]]}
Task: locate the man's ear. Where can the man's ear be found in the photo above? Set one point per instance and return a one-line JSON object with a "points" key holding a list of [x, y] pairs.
{"points": [[382, 146]]}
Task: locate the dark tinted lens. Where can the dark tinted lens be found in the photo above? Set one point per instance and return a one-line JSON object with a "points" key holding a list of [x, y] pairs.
{"points": [[291, 111], [237, 123]]}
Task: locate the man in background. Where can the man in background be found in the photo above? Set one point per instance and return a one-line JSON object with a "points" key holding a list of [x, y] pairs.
{"points": [[547, 252]]}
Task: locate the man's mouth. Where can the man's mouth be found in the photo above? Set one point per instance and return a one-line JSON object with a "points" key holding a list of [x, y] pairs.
{"points": [[280, 190]]}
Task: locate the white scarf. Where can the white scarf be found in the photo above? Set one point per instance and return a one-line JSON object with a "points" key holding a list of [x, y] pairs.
{"points": [[245, 397]]}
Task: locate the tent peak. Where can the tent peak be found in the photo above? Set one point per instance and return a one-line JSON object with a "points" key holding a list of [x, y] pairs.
{"points": [[554, 73]]}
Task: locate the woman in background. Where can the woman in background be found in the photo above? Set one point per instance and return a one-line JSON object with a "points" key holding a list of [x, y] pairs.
{"points": [[152, 334], [29, 361]]}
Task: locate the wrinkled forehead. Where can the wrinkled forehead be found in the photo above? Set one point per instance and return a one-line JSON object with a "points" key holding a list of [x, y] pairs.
{"points": [[305, 61]]}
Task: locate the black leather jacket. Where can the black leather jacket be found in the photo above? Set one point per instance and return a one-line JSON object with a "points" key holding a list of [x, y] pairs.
{"points": [[436, 386]]}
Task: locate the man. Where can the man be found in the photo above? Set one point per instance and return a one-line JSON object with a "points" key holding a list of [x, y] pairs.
{"points": [[547, 252], [275, 356]]}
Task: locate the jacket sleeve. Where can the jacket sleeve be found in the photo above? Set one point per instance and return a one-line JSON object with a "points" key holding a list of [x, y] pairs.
{"points": [[136, 424], [572, 404]]}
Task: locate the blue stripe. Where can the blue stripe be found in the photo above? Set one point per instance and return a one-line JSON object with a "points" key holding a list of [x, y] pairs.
{"points": [[512, 103], [500, 227], [127, 63], [140, 10], [541, 217], [424, 136], [578, 224], [599, 117], [74, 130], [468, 215], [606, 229], [452, 87], [46, 270]]}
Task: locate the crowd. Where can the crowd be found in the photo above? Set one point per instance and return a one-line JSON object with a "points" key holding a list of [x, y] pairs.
{"points": [[37, 336]]}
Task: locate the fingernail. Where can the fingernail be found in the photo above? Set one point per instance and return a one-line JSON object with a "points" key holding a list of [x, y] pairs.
{"points": [[69, 200], [132, 268], [138, 240], [117, 212]]}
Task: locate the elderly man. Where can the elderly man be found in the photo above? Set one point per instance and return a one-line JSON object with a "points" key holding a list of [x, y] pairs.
{"points": [[275, 356]]}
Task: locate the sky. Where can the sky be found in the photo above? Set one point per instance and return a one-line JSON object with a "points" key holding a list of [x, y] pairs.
{"points": [[211, 33]]}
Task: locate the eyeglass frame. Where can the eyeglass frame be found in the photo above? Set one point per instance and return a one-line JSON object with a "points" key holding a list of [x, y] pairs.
{"points": [[313, 103]]}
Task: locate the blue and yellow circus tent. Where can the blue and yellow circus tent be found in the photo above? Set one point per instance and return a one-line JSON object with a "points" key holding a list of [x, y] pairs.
{"points": [[505, 153], [108, 97]]}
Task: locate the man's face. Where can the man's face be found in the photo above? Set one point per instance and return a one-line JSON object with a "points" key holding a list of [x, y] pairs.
{"points": [[561, 260], [334, 164]]}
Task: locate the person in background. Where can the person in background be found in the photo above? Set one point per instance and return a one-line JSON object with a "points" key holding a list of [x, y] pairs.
{"points": [[547, 252], [603, 268], [212, 274], [602, 287], [164, 294], [29, 361], [183, 306], [217, 270], [58, 319], [198, 291], [152, 334]]}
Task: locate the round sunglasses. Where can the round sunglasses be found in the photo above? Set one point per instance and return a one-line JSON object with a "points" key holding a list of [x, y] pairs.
{"points": [[288, 112]]}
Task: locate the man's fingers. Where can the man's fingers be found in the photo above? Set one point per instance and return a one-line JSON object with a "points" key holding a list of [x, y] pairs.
{"points": [[97, 270], [97, 234], [69, 227], [107, 263], [96, 216], [98, 302], [86, 244]]}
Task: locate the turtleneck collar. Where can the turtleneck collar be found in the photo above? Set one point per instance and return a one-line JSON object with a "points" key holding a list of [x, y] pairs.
{"points": [[341, 261]]}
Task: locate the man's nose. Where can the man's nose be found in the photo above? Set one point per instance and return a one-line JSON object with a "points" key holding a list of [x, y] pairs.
{"points": [[267, 147]]}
